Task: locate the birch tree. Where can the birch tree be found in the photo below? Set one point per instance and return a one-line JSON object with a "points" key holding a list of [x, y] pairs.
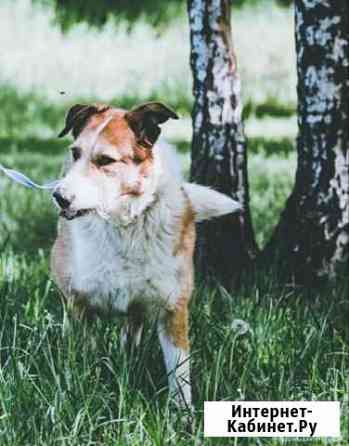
{"points": [[312, 237], [226, 246]]}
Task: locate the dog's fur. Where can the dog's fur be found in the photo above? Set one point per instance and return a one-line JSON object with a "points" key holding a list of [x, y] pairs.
{"points": [[130, 251]]}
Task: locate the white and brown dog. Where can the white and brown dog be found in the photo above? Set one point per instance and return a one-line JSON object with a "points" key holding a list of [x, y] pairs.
{"points": [[131, 250]]}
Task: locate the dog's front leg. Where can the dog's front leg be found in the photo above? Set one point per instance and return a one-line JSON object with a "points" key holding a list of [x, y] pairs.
{"points": [[174, 340], [75, 311], [131, 333]]}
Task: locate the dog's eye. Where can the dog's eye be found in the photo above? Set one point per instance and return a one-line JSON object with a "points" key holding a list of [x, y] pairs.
{"points": [[104, 160], [76, 153], [137, 161]]}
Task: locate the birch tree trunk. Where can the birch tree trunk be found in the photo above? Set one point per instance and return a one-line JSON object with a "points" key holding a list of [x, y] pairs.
{"points": [[225, 246], [312, 237]]}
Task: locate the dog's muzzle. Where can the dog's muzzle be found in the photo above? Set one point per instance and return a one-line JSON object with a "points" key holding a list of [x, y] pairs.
{"points": [[64, 204]]}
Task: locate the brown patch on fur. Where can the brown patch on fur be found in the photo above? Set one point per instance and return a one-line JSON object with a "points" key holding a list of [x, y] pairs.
{"points": [[186, 240], [142, 154], [177, 325], [118, 134], [146, 167], [177, 320]]}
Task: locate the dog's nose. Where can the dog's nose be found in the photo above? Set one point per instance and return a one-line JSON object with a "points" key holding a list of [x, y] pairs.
{"points": [[63, 202]]}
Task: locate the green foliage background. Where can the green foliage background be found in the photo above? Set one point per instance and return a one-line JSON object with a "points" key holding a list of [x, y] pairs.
{"points": [[97, 13]]}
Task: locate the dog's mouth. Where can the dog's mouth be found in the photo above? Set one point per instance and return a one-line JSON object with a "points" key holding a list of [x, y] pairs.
{"points": [[70, 214]]}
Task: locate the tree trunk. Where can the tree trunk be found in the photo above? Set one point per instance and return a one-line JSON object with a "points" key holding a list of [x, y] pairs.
{"points": [[312, 237], [227, 245]]}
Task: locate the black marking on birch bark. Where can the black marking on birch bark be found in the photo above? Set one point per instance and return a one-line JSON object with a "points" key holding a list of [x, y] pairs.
{"points": [[219, 159], [313, 233]]}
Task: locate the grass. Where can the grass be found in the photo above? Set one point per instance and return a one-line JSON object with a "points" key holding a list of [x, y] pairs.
{"points": [[33, 115], [55, 388]]}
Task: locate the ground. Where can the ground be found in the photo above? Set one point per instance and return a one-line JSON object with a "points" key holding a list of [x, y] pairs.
{"points": [[55, 388]]}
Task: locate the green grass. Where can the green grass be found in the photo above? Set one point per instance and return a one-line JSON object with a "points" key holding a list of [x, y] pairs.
{"points": [[271, 180], [34, 115], [57, 390]]}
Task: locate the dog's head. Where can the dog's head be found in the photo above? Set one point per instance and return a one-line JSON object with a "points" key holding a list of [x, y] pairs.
{"points": [[113, 171]]}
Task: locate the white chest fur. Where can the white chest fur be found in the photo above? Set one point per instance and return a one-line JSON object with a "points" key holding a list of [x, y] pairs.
{"points": [[114, 266]]}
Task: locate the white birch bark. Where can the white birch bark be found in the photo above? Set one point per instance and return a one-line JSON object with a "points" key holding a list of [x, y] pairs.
{"points": [[314, 229], [225, 246]]}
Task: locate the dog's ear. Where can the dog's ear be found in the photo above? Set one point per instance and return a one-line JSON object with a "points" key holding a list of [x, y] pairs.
{"points": [[77, 118], [144, 120]]}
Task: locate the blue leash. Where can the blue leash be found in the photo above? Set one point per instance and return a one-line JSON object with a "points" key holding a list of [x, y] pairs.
{"points": [[20, 178]]}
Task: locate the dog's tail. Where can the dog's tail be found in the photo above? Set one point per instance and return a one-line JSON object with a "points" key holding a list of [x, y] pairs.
{"points": [[208, 203]]}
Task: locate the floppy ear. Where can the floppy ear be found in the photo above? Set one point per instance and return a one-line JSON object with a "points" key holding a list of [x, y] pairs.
{"points": [[77, 118], [144, 120]]}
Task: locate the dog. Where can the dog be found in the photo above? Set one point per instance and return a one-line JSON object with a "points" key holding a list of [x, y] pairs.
{"points": [[126, 231]]}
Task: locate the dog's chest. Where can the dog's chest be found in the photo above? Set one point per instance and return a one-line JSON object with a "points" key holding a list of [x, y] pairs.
{"points": [[114, 268]]}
